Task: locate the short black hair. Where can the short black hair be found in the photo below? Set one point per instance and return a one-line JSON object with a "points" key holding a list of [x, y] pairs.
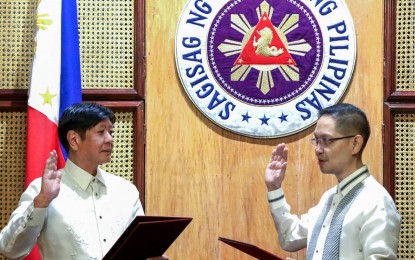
{"points": [[349, 120], [81, 117]]}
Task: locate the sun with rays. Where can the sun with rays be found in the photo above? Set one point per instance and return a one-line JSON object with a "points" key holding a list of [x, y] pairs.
{"points": [[277, 53]]}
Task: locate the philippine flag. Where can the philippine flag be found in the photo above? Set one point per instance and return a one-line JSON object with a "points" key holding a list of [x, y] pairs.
{"points": [[55, 83]]}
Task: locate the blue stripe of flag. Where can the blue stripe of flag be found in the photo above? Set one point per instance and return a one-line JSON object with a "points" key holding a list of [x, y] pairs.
{"points": [[71, 85]]}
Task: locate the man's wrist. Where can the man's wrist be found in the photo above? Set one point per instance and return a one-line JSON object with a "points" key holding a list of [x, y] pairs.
{"points": [[272, 187], [40, 201]]}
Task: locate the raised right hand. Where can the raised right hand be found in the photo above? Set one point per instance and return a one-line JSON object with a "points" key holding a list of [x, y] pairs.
{"points": [[275, 172], [51, 181]]}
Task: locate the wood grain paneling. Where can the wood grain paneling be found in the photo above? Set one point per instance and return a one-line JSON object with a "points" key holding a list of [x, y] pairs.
{"points": [[194, 168]]}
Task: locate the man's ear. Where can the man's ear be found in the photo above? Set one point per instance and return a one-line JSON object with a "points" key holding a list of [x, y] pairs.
{"points": [[73, 139], [357, 144]]}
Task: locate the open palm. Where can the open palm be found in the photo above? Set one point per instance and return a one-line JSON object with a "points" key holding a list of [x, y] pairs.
{"points": [[51, 179], [275, 172]]}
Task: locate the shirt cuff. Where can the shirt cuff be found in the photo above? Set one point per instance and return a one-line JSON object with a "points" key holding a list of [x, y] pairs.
{"points": [[36, 217], [276, 198]]}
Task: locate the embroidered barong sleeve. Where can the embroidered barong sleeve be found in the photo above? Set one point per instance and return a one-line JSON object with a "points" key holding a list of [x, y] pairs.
{"points": [[380, 228], [21, 233], [292, 231]]}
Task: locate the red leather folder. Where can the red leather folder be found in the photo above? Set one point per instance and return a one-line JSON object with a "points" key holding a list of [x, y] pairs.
{"points": [[147, 236], [250, 249]]}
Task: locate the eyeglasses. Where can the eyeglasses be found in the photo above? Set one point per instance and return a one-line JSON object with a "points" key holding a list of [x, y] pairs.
{"points": [[324, 142]]}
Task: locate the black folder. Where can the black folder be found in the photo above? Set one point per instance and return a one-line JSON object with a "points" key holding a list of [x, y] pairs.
{"points": [[147, 236], [250, 249]]}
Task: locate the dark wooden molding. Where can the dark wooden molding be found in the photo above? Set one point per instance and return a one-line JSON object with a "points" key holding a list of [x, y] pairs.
{"points": [[400, 96], [14, 94], [139, 48], [111, 94], [140, 73], [390, 95], [388, 150], [13, 105], [389, 62]]}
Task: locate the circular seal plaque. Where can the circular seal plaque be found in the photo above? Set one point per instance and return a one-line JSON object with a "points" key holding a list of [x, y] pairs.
{"points": [[264, 68]]}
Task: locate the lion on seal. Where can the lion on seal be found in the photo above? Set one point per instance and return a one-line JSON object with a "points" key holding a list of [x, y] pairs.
{"points": [[262, 47]]}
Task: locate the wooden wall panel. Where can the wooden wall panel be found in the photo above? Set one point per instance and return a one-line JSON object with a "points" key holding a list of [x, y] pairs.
{"points": [[195, 168]]}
